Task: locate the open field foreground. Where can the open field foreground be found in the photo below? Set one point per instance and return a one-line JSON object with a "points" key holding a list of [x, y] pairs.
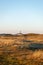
{"points": [[23, 49]]}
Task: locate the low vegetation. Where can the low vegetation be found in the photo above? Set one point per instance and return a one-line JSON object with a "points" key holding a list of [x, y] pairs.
{"points": [[21, 49]]}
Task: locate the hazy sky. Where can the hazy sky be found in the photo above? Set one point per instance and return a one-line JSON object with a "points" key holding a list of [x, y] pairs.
{"points": [[21, 15]]}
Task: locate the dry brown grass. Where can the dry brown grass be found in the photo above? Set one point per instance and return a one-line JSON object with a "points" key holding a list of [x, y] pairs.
{"points": [[23, 56]]}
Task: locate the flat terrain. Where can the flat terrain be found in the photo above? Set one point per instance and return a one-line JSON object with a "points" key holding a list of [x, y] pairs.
{"points": [[22, 49]]}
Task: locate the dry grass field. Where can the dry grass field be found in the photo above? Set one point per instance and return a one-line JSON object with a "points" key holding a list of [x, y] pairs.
{"points": [[14, 50]]}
